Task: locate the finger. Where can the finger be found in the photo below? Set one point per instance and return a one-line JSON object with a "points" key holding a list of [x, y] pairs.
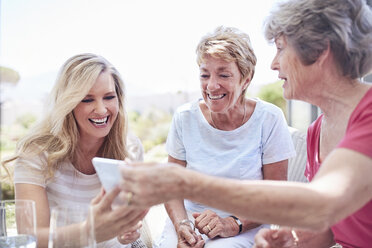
{"points": [[125, 223], [188, 236], [127, 172], [213, 233], [135, 227], [199, 219], [109, 197], [200, 243], [205, 230], [99, 197], [196, 215], [130, 221], [260, 238], [129, 237], [133, 235], [205, 218]]}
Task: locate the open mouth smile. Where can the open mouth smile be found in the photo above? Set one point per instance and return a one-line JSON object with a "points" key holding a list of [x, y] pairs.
{"points": [[99, 122], [216, 97]]}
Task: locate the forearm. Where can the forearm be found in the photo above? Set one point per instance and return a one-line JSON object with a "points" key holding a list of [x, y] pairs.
{"points": [[42, 237], [176, 212], [291, 204], [248, 225]]}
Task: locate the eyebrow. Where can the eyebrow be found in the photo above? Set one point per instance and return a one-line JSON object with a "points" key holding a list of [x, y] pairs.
{"points": [[107, 93], [219, 69]]}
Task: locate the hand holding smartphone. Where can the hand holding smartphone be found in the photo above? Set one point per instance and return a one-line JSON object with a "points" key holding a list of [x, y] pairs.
{"points": [[108, 172]]}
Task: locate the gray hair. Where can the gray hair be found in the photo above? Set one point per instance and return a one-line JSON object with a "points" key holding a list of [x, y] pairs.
{"points": [[311, 25]]}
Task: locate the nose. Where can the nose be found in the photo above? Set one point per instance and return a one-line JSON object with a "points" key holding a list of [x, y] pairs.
{"points": [[100, 107], [275, 63], [213, 83]]}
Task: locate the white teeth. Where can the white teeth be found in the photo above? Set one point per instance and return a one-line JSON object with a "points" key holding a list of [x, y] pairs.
{"points": [[99, 121], [216, 97]]}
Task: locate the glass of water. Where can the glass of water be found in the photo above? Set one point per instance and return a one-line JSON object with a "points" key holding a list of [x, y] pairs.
{"points": [[71, 226], [17, 224]]}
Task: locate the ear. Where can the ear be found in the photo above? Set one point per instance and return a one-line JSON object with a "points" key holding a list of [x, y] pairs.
{"points": [[324, 57], [246, 83]]}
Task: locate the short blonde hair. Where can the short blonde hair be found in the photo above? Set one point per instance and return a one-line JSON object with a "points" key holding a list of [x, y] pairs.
{"points": [[229, 44]]}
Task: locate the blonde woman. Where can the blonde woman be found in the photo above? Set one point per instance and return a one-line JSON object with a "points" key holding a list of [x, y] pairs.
{"points": [[53, 162]]}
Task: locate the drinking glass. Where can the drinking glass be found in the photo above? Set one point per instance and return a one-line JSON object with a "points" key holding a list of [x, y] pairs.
{"points": [[71, 226], [17, 224]]}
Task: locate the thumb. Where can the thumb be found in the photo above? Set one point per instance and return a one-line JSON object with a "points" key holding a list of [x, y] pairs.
{"points": [[108, 198], [196, 215], [189, 238]]}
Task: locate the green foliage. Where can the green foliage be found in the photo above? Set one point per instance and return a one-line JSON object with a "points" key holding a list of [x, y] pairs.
{"points": [[7, 191], [273, 93], [8, 75], [151, 127], [26, 120]]}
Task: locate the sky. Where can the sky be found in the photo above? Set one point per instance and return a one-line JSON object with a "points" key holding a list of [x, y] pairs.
{"points": [[151, 43]]}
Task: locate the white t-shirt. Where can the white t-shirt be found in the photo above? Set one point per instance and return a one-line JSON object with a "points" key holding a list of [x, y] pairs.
{"points": [[68, 186], [238, 154]]}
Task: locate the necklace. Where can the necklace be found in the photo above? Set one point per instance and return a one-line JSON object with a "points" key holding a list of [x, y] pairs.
{"points": [[214, 124]]}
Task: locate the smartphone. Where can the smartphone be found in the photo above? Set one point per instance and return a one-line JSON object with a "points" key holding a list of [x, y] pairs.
{"points": [[108, 172]]}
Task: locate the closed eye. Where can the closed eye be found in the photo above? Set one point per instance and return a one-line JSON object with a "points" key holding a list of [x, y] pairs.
{"points": [[87, 100], [109, 97]]}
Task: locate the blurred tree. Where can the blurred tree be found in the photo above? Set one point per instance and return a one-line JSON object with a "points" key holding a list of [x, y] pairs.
{"points": [[26, 120], [8, 75], [273, 93], [151, 127]]}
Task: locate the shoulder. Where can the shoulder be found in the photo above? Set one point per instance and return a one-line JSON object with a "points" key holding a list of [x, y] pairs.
{"points": [[186, 111], [268, 109], [187, 107], [32, 161], [31, 169]]}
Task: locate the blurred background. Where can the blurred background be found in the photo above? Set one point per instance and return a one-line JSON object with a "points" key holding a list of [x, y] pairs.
{"points": [[151, 43]]}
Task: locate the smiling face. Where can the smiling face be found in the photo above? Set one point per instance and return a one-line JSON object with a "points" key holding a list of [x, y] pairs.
{"points": [[298, 78], [220, 84], [97, 112]]}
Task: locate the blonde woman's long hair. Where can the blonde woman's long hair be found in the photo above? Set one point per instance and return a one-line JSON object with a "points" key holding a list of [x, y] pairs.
{"points": [[57, 134]]}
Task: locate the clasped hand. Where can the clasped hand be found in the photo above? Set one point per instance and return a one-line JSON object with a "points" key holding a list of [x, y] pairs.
{"points": [[212, 225], [208, 223]]}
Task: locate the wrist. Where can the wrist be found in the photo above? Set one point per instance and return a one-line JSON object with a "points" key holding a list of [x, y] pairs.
{"points": [[238, 223], [186, 222]]}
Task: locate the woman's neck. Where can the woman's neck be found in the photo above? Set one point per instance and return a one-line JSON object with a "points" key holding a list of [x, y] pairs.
{"points": [[229, 120], [337, 107], [86, 152], [337, 100]]}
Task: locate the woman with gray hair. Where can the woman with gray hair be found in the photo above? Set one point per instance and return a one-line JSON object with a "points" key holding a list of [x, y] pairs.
{"points": [[324, 47], [335, 35], [225, 134]]}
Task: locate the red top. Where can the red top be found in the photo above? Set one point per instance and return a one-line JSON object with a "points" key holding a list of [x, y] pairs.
{"points": [[355, 230]]}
